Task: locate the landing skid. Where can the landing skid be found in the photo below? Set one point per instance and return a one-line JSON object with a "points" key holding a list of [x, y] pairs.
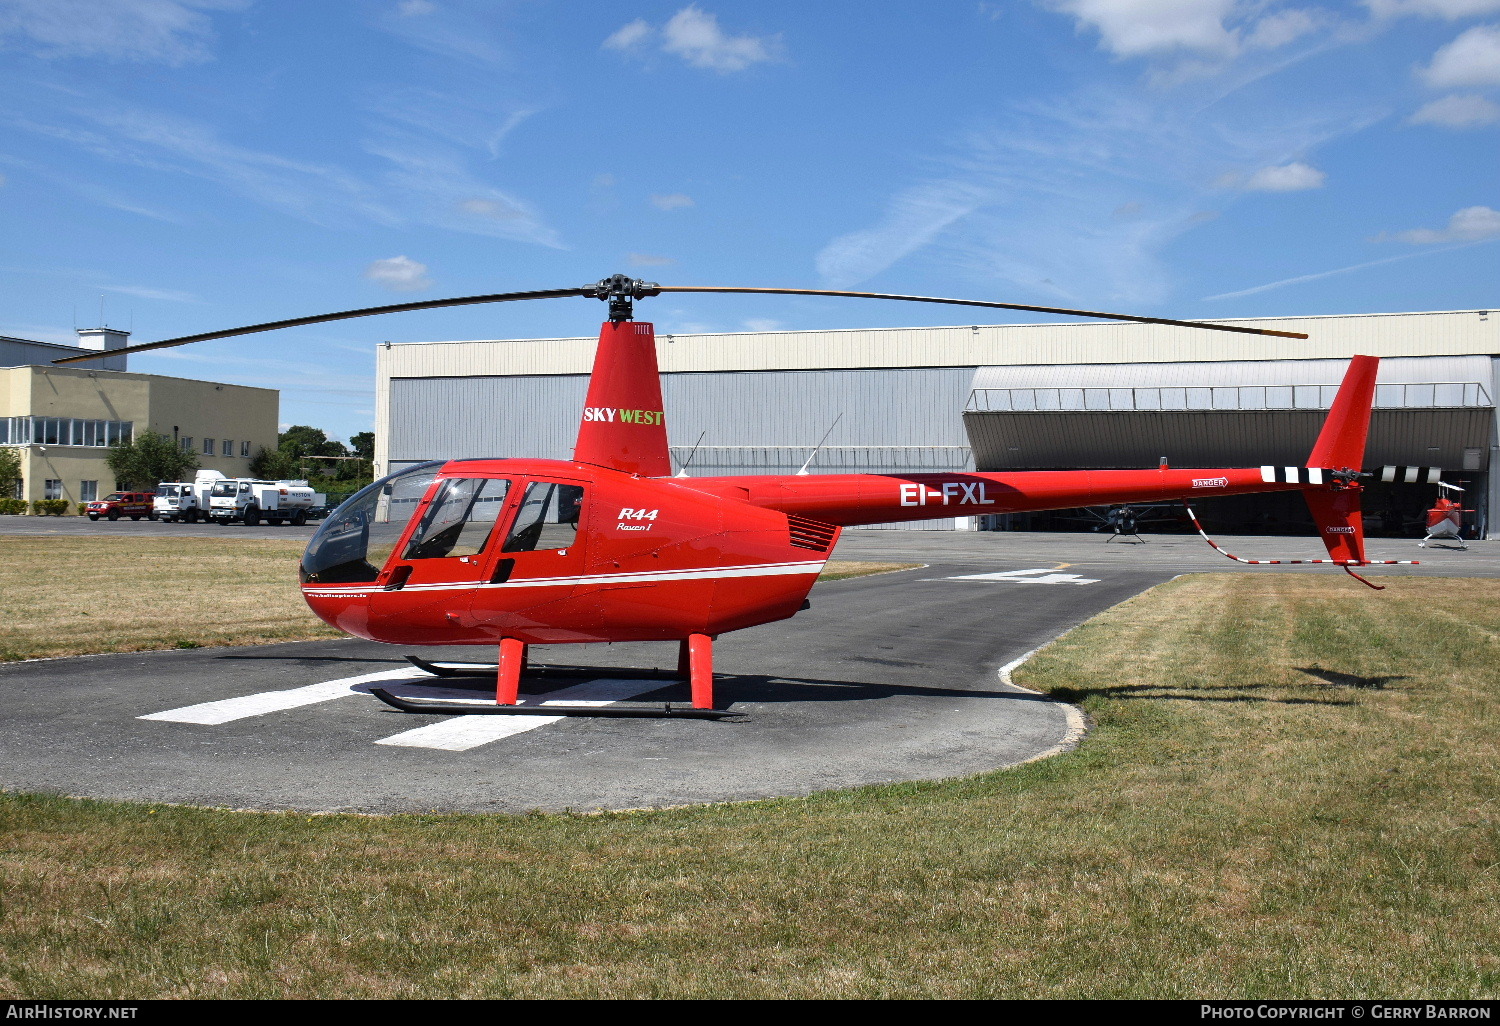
{"points": [[469, 709]]}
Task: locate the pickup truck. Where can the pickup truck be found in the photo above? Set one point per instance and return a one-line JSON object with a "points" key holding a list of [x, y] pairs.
{"points": [[123, 504]]}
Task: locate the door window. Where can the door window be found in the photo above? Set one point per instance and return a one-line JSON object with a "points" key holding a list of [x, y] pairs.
{"points": [[547, 519], [460, 518]]}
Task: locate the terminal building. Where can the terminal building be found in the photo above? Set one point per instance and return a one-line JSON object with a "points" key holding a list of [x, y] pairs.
{"points": [[62, 420], [993, 397]]}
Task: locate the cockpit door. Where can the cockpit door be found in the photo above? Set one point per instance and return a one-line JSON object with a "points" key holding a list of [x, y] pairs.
{"points": [[429, 577], [534, 578]]}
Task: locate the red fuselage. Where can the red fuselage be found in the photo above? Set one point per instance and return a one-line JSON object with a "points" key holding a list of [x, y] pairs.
{"points": [[662, 558]]}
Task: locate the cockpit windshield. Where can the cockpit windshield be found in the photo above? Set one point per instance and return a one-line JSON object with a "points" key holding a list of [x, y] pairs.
{"points": [[223, 488], [357, 538]]}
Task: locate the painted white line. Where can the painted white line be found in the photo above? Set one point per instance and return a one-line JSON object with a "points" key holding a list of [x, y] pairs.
{"points": [[460, 733], [231, 709], [1077, 723], [1025, 577]]}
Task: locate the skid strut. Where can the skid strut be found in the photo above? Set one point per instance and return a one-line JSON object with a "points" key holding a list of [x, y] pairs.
{"points": [[489, 670], [694, 665], [1345, 563]]}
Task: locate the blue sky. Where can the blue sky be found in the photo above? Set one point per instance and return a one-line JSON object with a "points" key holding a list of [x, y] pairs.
{"points": [[198, 164]]}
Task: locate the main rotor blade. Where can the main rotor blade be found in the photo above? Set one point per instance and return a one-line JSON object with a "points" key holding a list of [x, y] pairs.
{"points": [[598, 291], [996, 306], [295, 322]]}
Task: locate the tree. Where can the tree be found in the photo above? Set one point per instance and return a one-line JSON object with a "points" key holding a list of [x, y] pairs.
{"points": [[299, 441], [149, 459], [274, 465], [10, 470], [363, 445]]}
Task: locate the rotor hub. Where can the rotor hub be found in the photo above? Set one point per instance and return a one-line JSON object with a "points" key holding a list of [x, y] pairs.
{"points": [[620, 292]]}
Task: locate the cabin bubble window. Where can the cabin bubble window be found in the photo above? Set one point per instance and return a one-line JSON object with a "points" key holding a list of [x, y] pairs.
{"points": [[460, 518], [357, 538], [547, 519]]}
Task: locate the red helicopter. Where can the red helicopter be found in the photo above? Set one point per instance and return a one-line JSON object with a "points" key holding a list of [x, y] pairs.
{"points": [[513, 552]]}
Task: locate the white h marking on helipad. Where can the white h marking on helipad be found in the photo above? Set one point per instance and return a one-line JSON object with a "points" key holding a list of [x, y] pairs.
{"points": [[455, 734], [1027, 577], [460, 733], [231, 709]]}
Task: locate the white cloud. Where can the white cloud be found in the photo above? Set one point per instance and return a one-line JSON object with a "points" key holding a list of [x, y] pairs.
{"points": [[649, 260], [448, 194], [696, 38], [1281, 28], [762, 324], [1473, 59], [415, 8], [140, 292], [3, 179], [159, 31], [1471, 224], [1449, 10], [489, 208], [1466, 111], [628, 37], [1133, 28], [399, 274], [913, 219], [1029, 205], [672, 201], [1293, 177]]}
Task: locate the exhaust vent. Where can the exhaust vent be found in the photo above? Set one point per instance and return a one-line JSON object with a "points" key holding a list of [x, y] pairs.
{"points": [[811, 534]]}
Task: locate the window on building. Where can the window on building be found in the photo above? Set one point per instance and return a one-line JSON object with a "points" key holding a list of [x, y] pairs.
{"points": [[88, 491], [245, 449], [208, 447], [227, 449], [187, 443], [52, 489], [18, 490], [64, 431]]}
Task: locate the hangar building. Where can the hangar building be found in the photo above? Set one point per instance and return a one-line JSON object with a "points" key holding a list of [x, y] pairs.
{"points": [[992, 398]]}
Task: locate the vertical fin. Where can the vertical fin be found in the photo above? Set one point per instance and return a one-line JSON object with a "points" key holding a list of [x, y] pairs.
{"points": [[623, 425], [1341, 444], [1340, 521]]}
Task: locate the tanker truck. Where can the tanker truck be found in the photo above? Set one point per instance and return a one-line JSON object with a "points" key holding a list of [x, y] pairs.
{"points": [[250, 501]]}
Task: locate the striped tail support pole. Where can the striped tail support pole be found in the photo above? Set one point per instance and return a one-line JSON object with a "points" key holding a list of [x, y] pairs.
{"points": [[1330, 480], [1345, 563]]}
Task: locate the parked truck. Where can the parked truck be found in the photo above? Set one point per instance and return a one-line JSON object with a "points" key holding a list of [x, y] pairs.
{"points": [[250, 501], [186, 501]]}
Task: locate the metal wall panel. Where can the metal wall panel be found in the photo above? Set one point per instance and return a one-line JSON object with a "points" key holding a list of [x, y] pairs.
{"points": [[1040, 441], [885, 407], [769, 418], [458, 418], [1234, 373], [1462, 332]]}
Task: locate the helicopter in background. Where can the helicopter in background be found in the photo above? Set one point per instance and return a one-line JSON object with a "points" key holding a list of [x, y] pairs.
{"points": [[511, 552]]}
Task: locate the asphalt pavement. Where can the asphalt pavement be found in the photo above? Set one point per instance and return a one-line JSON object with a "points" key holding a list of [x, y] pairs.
{"points": [[885, 678]]}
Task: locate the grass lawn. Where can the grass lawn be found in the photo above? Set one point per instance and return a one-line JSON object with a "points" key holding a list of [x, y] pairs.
{"points": [[102, 594], [1291, 790]]}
